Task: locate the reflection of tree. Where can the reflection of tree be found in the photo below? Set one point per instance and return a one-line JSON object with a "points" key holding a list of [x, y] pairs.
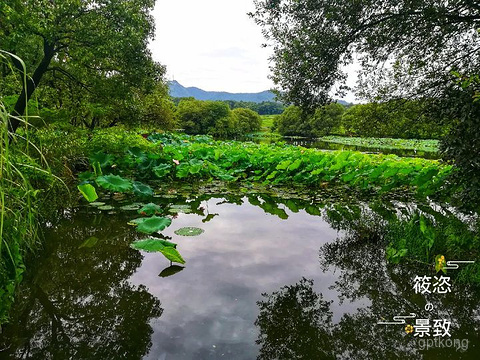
{"points": [[79, 303], [295, 322]]}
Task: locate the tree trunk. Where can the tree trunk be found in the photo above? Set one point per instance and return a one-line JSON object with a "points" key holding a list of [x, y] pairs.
{"points": [[31, 84]]}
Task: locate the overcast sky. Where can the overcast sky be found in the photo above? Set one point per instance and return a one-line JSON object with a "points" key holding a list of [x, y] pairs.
{"points": [[211, 44]]}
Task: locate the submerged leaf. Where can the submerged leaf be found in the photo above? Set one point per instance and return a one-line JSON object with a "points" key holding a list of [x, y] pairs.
{"points": [[189, 231], [88, 192], [153, 224], [114, 183], [89, 243]]}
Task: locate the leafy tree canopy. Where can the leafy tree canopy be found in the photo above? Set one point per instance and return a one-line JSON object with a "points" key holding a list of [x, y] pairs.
{"points": [[421, 42], [91, 47]]}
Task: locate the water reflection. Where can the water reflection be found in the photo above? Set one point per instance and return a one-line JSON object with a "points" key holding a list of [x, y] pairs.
{"points": [[319, 263], [76, 302]]}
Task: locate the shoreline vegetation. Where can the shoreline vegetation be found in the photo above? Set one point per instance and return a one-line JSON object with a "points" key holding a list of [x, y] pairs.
{"points": [[88, 111]]}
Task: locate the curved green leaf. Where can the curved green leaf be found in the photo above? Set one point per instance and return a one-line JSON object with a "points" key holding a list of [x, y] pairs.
{"points": [[88, 192], [114, 183], [153, 224]]}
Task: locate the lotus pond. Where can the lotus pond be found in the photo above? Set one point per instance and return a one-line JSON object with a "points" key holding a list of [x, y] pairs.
{"points": [[255, 274]]}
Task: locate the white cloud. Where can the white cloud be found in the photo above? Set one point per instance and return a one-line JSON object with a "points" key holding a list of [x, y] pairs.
{"points": [[211, 44], [214, 45]]}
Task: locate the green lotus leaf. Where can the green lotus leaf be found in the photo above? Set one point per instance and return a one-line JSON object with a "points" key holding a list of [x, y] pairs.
{"points": [[152, 245], [150, 209], [162, 170], [189, 231], [102, 159], [142, 189], [88, 192], [98, 203], [171, 270], [173, 255], [106, 207], [137, 221], [114, 183], [153, 224]]}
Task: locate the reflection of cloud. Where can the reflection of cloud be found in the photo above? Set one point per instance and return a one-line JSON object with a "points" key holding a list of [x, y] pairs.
{"points": [[242, 254]]}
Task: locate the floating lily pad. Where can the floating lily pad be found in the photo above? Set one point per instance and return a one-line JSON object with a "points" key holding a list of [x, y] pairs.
{"points": [[171, 270], [153, 224], [130, 207], [98, 203], [118, 197], [189, 231], [89, 243], [176, 211], [150, 209], [114, 183], [106, 207]]}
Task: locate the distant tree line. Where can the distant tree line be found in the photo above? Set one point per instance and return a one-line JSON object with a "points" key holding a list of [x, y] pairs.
{"points": [[262, 108], [216, 118], [396, 118]]}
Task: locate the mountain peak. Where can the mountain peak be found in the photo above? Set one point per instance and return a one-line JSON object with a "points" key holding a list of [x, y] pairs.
{"points": [[179, 91]]}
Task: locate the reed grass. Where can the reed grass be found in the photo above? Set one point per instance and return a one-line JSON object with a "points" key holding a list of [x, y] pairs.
{"points": [[18, 200]]}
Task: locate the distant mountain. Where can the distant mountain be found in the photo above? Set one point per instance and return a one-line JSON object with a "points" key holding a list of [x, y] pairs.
{"points": [[178, 90]]}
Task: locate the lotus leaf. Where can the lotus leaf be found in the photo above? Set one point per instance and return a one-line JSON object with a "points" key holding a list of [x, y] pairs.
{"points": [[102, 159], [97, 203], [135, 222], [153, 224], [150, 209], [131, 207], [114, 183], [189, 231], [106, 207], [162, 170], [172, 254], [152, 245], [88, 192], [142, 189]]}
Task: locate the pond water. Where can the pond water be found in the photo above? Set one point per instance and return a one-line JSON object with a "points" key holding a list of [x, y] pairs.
{"points": [[269, 278], [327, 145]]}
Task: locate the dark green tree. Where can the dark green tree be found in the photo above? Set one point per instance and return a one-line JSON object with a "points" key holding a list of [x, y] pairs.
{"points": [[408, 49], [91, 48]]}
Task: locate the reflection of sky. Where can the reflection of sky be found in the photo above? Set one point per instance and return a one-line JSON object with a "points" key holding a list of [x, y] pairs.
{"points": [[210, 307]]}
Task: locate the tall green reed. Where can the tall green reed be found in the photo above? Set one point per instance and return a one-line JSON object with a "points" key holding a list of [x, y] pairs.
{"points": [[18, 199]]}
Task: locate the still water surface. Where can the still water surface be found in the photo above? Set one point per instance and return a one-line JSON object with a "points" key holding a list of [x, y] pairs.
{"points": [[268, 279]]}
